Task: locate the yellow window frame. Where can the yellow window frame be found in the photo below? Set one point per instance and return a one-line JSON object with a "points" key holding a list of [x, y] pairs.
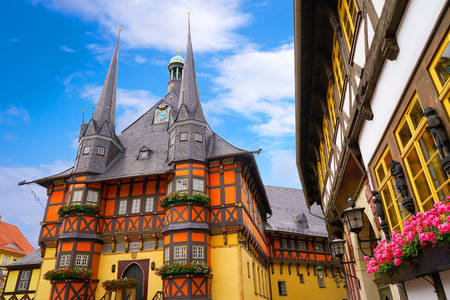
{"points": [[330, 103], [386, 184], [322, 160], [347, 11], [414, 144], [338, 69], [442, 89], [319, 171], [326, 135]]}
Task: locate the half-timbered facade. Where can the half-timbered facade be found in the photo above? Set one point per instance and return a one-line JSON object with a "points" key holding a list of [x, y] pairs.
{"points": [[372, 122], [171, 148]]}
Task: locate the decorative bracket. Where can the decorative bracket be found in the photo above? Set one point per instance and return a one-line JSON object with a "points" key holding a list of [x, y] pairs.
{"points": [[389, 48], [381, 213], [440, 136], [402, 187]]}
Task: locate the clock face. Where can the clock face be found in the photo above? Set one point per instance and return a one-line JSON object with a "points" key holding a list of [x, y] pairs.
{"points": [[162, 114]]}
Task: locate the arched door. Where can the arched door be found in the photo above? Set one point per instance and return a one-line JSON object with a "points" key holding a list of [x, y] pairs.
{"points": [[134, 271]]}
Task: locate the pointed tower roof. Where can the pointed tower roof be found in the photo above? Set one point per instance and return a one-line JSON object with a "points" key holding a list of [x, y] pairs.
{"points": [[189, 96], [106, 107]]}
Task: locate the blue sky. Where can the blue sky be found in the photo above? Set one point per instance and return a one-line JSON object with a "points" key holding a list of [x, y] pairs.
{"points": [[55, 57]]}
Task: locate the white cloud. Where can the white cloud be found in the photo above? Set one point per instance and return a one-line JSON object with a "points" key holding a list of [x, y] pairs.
{"points": [[283, 168], [19, 205], [67, 49], [131, 104], [260, 85], [162, 24], [140, 59], [13, 114]]}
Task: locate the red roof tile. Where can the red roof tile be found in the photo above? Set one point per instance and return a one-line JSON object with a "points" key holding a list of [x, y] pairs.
{"points": [[11, 234]]}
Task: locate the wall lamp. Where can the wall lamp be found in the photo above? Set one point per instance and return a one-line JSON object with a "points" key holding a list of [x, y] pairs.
{"points": [[338, 249], [353, 217]]}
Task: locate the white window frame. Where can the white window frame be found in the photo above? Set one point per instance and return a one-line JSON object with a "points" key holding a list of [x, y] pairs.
{"points": [[24, 280], [179, 252], [77, 196], [91, 195], [136, 206], [292, 244], [149, 202], [86, 149], [100, 150], [199, 137], [64, 261], [145, 154], [198, 185], [166, 254], [284, 244], [81, 260], [198, 252], [122, 207], [181, 184], [183, 136], [301, 245], [169, 187], [318, 247], [282, 288]]}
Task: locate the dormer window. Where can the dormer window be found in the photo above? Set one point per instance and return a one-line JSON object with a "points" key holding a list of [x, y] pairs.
{"points": [[198, 137], [144, 153], [183, 136], [100, 150], [86, 149]]}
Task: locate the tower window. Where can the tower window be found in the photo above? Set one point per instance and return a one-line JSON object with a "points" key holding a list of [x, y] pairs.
{"points": [[183, 136], [182, 184], [318, 247], [122, 207], [292, 244], [198, 186], [301, 245], [283, 244], [100, 150], [197, 252], [167, 254], [76, 196], [198, 137], [149, 204], [144, 154], [81, 260], [179, 252], [136, 206], [64, 261], [92, 197], [86, 149]]}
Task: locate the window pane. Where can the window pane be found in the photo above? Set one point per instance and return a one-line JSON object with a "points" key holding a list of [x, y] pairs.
{"points": [[380, 173], [427, 145], [422, 188], [412, 160], [92, 197], [443, 66], [416, 114], [404, 134], [149, 205], [122, 207], [136, 207]]}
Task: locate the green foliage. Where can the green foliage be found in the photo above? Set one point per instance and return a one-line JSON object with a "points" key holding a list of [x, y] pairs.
{"points": [[74, 209], [120, 284], [179, 268], [182, 196], [67, 273]]}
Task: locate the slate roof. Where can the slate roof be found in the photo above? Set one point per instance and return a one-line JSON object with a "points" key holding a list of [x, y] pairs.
{"points": [[288, 205], [34, 258], [12, 240]]}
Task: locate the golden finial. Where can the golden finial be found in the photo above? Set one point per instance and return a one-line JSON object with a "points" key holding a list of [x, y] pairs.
{"points": [[188, 13], [120, 28], [171, 85], [178, 51]]}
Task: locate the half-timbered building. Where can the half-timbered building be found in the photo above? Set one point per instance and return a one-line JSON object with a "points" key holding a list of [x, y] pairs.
{"points": [[171, 148], [372, 125]]}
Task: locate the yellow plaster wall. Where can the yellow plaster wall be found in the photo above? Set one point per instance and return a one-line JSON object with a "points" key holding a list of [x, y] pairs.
{"points": [[12, 280], [307, 290], [48, 263], [34, 279], [254, 290], [108, 259]]}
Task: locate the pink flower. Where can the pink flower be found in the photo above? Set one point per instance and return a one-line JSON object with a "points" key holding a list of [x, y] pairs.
{"points": [[366, 258], [444, 228], [397, 261]]}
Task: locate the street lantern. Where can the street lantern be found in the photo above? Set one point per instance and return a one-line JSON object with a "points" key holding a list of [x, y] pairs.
{"points": [[337, 248], [353, 217]]}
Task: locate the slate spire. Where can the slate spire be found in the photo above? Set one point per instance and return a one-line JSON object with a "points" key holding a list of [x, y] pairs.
{"points": [[189, 96], [106, 106]]}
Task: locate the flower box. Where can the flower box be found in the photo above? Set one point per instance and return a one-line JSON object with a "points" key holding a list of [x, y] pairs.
{"points": [[184, 269], [120, 284], [430, 260], [181, 197], [75, 209], [67, 274]]}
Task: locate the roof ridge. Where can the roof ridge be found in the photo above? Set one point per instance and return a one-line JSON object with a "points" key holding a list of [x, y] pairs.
{"points": [[282, 187]]}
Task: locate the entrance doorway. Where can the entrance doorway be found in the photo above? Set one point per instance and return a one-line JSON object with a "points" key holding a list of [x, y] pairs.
{"points": [[134, 271]]}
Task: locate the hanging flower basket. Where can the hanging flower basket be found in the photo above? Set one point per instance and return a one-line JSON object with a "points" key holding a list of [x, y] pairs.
{"points": [[179, 268], [422, 247], [74, 209], [67, 273], [120, 284], [184, 197]]}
